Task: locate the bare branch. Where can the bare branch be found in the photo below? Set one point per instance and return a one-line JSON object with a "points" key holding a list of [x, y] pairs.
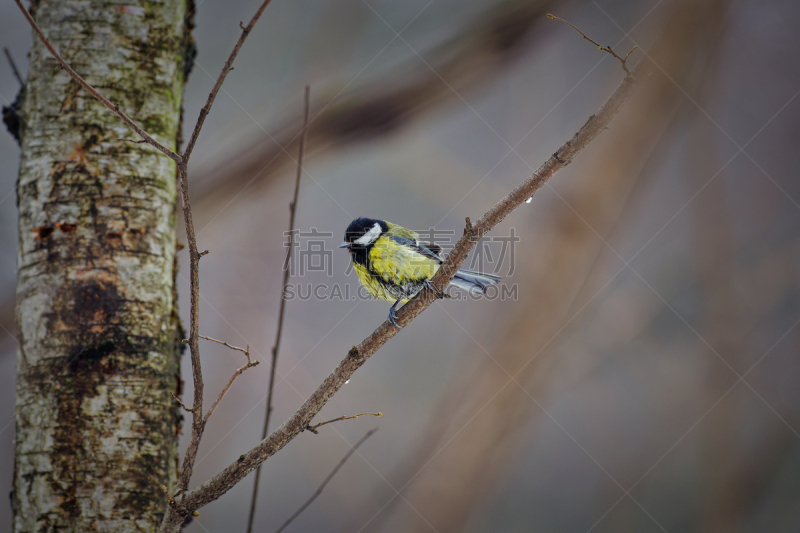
{"points": [[358, 355], [246, 352], [235, 375], [607, 49], [313, 429], [83, 83], [198, 421], [13, 67], [624, 59], [226, 68], [185, 408], [286, 272], [326, 480]]}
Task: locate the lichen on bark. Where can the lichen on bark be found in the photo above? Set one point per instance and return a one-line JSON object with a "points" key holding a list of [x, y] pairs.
{"points": [[96, 311]]}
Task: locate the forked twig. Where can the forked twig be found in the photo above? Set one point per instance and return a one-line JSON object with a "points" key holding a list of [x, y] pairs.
{"points": [[607, 49], [326, 480], [313, 429], [222, 394], [250, 364]]}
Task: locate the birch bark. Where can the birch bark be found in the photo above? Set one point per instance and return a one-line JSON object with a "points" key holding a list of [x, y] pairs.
{"points": [[96, 308]]}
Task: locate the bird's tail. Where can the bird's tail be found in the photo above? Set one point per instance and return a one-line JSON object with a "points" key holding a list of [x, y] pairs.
{"points": [[474, 282]]}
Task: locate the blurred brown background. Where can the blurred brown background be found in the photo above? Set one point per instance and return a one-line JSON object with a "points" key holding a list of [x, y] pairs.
{"points": [[646, 376]]}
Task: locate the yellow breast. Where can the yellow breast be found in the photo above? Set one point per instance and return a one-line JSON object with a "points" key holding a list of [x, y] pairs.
{"points": [[401, 269]]}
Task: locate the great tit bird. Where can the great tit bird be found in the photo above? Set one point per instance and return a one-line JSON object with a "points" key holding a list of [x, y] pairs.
{"points": [[393, 264]]}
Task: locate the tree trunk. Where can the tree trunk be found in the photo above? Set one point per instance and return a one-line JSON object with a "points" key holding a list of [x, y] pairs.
{"points": [[96, 308]]}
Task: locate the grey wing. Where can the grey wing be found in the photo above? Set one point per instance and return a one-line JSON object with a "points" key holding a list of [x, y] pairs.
{"points": [[435, 249], [427, 249]]}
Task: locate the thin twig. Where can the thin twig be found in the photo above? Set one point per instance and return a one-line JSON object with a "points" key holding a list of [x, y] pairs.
{"points": [[185, 408], [13, 67], [226, 68], [286, 270], [83, 83], [235, 375], [250, 364], [607, 49], [246, 352], [326, 480], [286, 273], [313, 429]]}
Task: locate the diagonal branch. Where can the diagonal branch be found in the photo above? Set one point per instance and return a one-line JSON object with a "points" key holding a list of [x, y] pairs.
{"points": [[250, 364], [358, 355], [327, 479], [623, 60], [226, 68], [239, 371], [83, 83]]}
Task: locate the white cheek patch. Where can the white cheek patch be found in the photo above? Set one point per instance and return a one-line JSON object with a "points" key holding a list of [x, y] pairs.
{"points": [[370, 236]]}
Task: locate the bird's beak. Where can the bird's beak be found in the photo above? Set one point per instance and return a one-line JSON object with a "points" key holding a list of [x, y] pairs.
{"points": [[344, 245]]}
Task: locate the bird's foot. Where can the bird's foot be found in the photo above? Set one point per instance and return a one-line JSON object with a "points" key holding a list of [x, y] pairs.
{"points": [[393, 317], [438, 294]]}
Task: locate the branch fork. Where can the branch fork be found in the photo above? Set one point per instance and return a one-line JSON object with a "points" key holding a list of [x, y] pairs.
{"points": [[623, 60]]}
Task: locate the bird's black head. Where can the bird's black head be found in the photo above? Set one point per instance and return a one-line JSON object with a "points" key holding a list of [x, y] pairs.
{"points": [[361, 234], [364, 231]]}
